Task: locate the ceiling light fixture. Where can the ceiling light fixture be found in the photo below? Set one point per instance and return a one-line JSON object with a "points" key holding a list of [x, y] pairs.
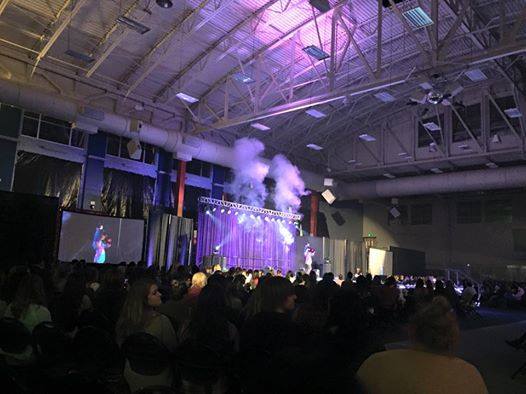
{"points": [[244, 78], [385, 97], [431, 126], [314, 147], [367, 137], [436, 171], [513, 113], [164, 3], [388, 175], [418, 18], [476, 75], [491, 164], [321, 5], [315, 52], [260, 126], [315, 113], [133, 24], [79, 56], [186, 97]]}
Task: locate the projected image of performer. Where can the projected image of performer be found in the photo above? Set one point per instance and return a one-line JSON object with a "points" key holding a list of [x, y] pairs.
{"points": [[308, 253], [101, 242]]}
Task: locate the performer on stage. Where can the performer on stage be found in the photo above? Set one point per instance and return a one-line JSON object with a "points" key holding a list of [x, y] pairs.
{"points": [[308, 253], [100, 243]]}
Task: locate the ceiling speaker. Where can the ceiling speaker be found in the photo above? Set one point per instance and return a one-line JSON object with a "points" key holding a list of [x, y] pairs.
{"points": [[134, 150], [338, 218], [329, 182], [328, 196], [394, 212]]}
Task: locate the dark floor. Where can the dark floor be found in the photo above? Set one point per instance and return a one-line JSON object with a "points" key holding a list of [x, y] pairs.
{"points": [[482, 344]]}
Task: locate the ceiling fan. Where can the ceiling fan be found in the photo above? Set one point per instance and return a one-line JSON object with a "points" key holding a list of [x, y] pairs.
{"points": [[435, 90]]}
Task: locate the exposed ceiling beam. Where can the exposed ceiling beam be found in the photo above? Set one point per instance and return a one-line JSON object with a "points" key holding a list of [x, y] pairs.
{"points": [[256, 14], [3, 5], [169, 35], [43, 52], [488, 55], [278, 41], [104, 55]]}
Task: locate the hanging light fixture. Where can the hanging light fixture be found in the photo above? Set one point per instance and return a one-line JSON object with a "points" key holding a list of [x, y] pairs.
{"points": [[164, 3]]}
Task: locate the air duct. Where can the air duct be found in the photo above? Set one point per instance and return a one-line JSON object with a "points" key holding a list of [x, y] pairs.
{"points": [[454, 182], [37, 100]]}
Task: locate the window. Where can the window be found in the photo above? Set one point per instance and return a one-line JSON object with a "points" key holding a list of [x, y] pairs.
{"points": [[421, 214], [469, 212], [30, 124], [472, 117], [424, 135], [113, 145], [78, 138], [198, 167], [54, 130], [497, 122], [498, 211], [402, 219]]}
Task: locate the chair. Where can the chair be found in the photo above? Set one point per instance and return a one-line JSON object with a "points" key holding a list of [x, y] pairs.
{"points": [[200, 367], [147, 362], [97, 354], [50, 343], [14, 336]]}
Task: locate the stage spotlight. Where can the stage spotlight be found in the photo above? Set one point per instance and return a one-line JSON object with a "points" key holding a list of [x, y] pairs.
{"points": [[164, 3], [252, 217], [236, 213], [273, 220], [259, 217], [222, 210], [229, 212], [214, 209], [207, 212]]}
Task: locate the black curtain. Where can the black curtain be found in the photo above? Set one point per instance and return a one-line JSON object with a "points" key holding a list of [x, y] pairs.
{"points": [[48, 176], [126, 194]]}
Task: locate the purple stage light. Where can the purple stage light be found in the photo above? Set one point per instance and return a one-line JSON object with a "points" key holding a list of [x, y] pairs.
{"points": [[222, 210]]}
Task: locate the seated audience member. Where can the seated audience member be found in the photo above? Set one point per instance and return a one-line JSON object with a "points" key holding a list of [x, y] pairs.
{"points": [[451, 294], [514, 295], [139, 315], [440, 289], [420, 293], [388, 295], [110, 296], [29, 304], [468, 294], [72, 303], [270, 338], [429, 365]]}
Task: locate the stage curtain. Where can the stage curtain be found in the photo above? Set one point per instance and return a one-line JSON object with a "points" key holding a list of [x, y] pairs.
{"points": [[48, 176], [254, 243], [126, 194], [338, 255]]}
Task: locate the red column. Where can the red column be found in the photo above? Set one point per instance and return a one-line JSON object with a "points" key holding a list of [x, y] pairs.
{"points": [[179, 187], [314, 208]]}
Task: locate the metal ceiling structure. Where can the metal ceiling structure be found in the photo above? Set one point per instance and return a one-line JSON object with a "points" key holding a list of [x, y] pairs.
{"points": [[245, 62]]}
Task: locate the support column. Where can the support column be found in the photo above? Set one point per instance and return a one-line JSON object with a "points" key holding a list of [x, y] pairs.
{"points": [[161, 196], [218, 182], [10, 123], [179, 187], [93, 173], [314, 209]]}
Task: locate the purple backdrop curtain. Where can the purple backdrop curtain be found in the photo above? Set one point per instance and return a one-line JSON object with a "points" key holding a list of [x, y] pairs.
{"points": [[253, 243]]}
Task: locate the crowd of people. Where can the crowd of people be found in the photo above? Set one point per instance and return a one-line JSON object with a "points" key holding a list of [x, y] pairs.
{"points": [[132, 328]]}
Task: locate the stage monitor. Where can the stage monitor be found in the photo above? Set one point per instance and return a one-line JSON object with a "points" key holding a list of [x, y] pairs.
{"points": [[100, 239]]}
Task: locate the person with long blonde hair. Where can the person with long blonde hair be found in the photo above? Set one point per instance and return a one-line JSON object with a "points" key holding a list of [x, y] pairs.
{"points": [[139, 314]]}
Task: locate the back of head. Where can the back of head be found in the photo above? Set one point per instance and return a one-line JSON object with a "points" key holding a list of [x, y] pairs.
{"points": [[390, 281], [132, 318], [435, 327], [199, 279], [30, 291], [274, 292]]}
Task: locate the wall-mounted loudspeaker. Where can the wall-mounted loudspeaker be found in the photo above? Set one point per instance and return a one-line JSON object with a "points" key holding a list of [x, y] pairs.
{"points": [[134, 149], [338, 218], [328, 196], [394, 212]]}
